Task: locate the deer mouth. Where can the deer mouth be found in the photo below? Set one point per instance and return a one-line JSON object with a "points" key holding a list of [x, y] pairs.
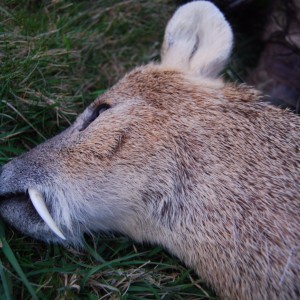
{"points": [[31, 204]]}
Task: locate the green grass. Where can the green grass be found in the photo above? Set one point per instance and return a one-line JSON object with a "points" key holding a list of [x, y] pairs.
{"points": [[55, 58]]}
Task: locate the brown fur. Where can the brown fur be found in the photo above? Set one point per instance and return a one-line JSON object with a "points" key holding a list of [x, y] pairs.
{"points": [[205, 169], [233, 196]]}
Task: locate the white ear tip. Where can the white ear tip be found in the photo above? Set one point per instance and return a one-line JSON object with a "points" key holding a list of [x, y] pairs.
{"points": [[196, 5], [198, 40]]}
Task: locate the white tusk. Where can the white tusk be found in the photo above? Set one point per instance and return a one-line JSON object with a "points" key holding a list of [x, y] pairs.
{"points": [[38, 202]]}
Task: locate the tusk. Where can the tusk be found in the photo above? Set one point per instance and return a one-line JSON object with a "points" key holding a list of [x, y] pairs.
{"points": [[38, 202]]}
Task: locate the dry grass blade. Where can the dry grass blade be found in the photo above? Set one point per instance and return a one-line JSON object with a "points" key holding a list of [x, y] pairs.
{"points": [[21, 115]]}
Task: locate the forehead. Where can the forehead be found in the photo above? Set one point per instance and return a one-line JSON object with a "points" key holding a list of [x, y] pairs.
{"points": [[159, 87]]}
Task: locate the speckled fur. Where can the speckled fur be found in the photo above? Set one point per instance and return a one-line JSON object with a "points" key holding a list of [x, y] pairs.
{"points": [[201, 167]]}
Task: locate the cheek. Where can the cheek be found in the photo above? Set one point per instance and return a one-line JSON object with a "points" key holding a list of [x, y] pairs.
{"points": [[92, 146], [82, 166]]}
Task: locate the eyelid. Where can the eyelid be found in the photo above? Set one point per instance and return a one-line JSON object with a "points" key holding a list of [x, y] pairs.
{"points": [[96, 111], [102, 107]]}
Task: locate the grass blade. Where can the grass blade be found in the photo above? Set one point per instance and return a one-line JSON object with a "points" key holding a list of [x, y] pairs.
{"points": [[5, 282], [14, 262]]}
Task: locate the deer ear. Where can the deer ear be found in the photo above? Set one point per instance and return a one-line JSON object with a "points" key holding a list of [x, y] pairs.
{"points": [[198, 40]]}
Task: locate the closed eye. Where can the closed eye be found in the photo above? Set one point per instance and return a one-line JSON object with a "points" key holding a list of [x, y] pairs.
{"points": [[95, 114]]}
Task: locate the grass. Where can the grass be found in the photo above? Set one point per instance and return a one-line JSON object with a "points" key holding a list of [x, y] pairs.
{"points": [[55, 58]]}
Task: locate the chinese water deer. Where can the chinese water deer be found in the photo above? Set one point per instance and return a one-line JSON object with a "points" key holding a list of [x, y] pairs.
{"points": [[174, 156]]}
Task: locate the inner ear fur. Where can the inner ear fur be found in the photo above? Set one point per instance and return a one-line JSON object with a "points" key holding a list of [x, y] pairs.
{"points": [[198, 40]]}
